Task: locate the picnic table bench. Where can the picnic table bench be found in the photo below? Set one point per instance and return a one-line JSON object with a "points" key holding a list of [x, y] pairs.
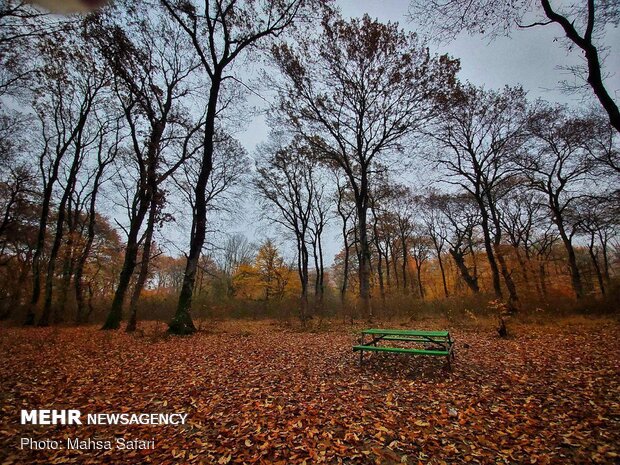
{"points": [[434, 343]]}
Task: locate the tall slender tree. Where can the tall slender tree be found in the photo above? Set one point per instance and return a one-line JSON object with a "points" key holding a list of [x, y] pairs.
{"points": [[354, 93], [221, 31]]}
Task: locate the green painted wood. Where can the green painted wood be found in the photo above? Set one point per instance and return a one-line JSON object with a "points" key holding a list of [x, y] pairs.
{"points": [[442, 353], [438, 340], [405, 332]]}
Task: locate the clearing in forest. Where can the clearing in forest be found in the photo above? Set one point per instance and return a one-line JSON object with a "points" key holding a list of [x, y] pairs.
{"points": [[263, 393]]}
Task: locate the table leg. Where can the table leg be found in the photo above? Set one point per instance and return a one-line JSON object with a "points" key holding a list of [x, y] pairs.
{"points": [[361, 351]]}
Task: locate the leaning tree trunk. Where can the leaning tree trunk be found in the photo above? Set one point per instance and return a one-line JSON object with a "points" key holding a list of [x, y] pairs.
{"points": [[575, 275], [132, 325], [81, 315], [443, 276], [145, 196], [115, 315], [488, 247], [510, 284], [438, 249], [471, 281]]}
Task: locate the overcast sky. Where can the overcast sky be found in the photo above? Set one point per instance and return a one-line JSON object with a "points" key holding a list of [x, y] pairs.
{"points": [[529, 58]]}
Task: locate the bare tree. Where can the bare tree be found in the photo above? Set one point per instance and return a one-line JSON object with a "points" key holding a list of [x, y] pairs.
{"points": [[462, 217], [287, 182], [68, 89], [220, 32], [81, 147], [559, 165], [355, 93], [152, 64], [583, 24], [107, 150], [478, 135]]}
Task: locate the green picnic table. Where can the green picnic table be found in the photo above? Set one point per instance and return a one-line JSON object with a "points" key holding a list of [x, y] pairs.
{"points": [[435, 343]]}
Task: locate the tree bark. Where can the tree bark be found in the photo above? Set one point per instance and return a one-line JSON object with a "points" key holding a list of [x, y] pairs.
{"points": [[471, 281], [182, 323], [595, 264], [570, 251], [132, 324], [60, 222], [145, 196], [419, 275], [364, 253], [595, 77], [488, 247]]}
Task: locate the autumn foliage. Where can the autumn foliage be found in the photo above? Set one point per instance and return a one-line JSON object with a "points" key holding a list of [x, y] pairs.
{"points": [[261, 393]]}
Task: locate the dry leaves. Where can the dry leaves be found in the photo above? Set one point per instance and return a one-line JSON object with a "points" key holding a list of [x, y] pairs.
{"points": [[265, 395]]}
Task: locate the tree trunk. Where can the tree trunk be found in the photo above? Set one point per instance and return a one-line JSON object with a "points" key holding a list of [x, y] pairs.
{"points": [[523, 265], [572, 259], [115, 315], [145, 196], [419, 275], [395, 265], [304, 276], [471, 281], [543, 277], [403, 242], [438, 249], [67, 274], [506, 274], [132, 324], [596, 265], [488, 247], [182, 323], [364, 255], [60, 222], [379, 263], [79, 269], [321, 272], [36, 259], [603, 239]]}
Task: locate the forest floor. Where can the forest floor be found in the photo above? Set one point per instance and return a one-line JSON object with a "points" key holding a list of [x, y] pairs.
{"points": [[261, 392]]}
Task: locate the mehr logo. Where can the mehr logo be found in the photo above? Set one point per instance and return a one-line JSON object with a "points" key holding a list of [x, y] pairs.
{"points": [[51, 417]]}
